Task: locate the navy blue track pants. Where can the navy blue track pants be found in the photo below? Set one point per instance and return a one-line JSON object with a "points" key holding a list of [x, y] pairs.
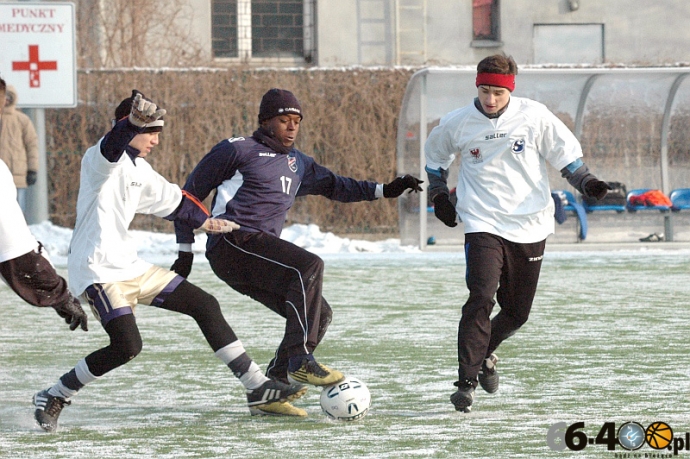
{"points": [[283, 277]]}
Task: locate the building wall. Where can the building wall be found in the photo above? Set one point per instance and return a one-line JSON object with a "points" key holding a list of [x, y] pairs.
{"points": [[635, 31], [337, 38], [200, 24]]}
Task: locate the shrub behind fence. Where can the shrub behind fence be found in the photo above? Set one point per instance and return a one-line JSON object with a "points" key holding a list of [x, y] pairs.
{"points": [[349, 126]]}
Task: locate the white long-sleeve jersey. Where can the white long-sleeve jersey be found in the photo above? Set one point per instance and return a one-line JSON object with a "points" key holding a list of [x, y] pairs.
{"points": [[503, 186], [110, 194], [15, 237]]}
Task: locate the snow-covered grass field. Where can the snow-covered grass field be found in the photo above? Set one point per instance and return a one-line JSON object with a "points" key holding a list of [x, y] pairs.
{"points": [[606, 342]]}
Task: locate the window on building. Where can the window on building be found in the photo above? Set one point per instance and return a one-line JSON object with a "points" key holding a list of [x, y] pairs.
{"points": [[485, 20], [263, 29]]}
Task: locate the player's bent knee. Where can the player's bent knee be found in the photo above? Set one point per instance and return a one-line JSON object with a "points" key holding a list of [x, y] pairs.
{"points": [[125, 340], [204, 305], [191, 300], [126, 349]]}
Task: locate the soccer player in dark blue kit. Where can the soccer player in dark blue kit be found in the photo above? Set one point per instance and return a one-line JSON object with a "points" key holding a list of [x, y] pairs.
{"points": [[256, 180]]}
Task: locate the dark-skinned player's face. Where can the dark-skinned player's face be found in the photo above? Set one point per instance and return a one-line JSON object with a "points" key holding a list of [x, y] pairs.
{"points": [[284, 128]]}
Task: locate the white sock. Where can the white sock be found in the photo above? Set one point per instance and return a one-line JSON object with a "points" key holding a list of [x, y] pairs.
{"points": [[253, 378], [84, 377], [243, 367], [230, 352], [60, 390]]}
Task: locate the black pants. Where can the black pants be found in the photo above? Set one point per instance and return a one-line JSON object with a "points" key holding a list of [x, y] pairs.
{"points": [[125, 339], [283, 277], [510, 272]]}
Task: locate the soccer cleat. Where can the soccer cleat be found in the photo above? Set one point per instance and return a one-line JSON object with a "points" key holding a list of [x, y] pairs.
{"points": [[282, 378], [277, 409], [312, 372], [488, 374], [654, 237], [48, 409], [462, 398], [274, 397]]}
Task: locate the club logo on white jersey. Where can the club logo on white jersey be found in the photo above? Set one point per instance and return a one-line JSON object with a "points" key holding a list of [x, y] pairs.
{"points": [[292, 163], [476, 155], [518, 146]]}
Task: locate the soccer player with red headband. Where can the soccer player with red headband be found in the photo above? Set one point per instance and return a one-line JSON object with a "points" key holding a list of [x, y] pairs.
{"points": [[504, 201]]}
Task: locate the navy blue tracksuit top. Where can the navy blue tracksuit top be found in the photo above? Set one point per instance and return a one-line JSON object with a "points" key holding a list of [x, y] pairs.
{"points": [[256, 186]]}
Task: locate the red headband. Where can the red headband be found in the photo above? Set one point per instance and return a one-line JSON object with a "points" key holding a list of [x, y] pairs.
{"points": [[496, 79]]}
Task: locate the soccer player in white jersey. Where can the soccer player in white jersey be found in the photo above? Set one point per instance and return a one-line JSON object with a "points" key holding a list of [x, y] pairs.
{"points": [[105, 270], [503, 199]]}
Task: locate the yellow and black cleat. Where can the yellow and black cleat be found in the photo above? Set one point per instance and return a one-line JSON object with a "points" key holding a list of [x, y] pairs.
{"points": [[312, 372], [277, 409]]}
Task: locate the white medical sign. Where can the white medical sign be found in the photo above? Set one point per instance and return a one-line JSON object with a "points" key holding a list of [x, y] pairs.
{"points": [[37, 52]]}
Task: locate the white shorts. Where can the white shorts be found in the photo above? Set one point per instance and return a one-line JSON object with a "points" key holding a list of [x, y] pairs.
{"points": [[115, 299]]}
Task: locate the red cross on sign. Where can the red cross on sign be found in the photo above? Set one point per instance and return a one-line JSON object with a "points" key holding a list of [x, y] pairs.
{"points": [[34, 66]]}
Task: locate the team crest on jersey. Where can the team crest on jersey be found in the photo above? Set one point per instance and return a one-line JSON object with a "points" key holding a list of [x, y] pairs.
{"points": [[292, 163], [476, 155], [518, 146]]}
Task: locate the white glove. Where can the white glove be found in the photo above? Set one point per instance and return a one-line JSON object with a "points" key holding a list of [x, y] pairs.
{"points": [[144, 112], [218, 225]]}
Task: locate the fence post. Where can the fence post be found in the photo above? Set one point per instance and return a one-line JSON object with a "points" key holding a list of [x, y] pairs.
{"points": [[37, 194]]}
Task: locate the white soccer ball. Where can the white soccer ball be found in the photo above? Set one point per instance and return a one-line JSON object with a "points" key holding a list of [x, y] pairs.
{"points": [[348, 400]]}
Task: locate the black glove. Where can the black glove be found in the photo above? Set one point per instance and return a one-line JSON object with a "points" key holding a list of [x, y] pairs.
{"points": [[445, 210], [596, 189], [31, 177], [400, 184], [73, 314], [183, 264]]}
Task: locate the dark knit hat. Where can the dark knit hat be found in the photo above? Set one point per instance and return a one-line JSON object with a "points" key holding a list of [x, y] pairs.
{"points": [[125, 107], [278, 102]]}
